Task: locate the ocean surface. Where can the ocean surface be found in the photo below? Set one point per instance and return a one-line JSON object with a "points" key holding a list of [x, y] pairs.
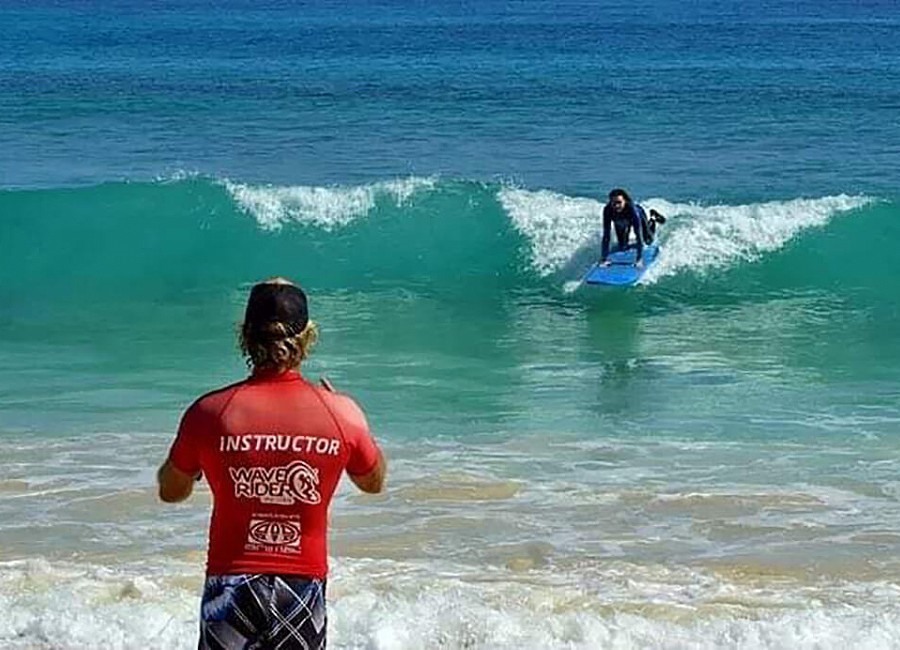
{"points": [[708, 460]]}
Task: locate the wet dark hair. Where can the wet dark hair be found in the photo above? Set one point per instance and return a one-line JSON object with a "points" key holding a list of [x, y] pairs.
{"points": [[620, 192]]}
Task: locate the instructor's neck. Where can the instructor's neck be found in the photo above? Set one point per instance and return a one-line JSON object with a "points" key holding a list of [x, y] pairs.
{"points": [[269, 371]]}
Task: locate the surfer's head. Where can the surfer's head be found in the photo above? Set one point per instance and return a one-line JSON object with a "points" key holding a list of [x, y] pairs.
{"points": [[277, 333], [618, 199]]}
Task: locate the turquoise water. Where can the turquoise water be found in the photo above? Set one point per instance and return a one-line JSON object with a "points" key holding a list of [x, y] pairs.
{"points": [[708, 460]]}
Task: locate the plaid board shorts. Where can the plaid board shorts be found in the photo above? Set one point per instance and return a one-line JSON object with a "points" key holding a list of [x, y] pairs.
{"points": [[262, 612]]}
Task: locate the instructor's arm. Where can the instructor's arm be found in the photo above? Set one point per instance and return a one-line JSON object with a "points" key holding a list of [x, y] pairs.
{"points": [[176, 476], [174, 485], [373, 481], [366, 466]]}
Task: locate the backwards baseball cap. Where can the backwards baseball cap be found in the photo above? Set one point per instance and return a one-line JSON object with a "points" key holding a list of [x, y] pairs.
{"points": [[276, 301]]}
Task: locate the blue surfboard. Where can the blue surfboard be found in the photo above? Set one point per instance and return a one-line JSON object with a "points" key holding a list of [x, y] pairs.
{"points": [[622, 272]]}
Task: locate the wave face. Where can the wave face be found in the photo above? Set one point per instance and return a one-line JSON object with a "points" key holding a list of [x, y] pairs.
{"points": [[534, 502], [152, 238]]}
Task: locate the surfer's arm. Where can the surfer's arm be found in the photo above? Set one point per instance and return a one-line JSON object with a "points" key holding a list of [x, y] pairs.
{"points": [[604, 243]]}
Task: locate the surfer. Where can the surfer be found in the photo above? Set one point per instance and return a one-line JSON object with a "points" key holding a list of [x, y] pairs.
{"points": [[626, 216], [272, 448]]}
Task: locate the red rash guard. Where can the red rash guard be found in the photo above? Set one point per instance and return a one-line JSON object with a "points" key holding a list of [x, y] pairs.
{"points": [[272, 448]]}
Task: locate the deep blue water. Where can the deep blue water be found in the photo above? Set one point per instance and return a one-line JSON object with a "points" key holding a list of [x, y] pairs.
{"points": [[701, 100]]}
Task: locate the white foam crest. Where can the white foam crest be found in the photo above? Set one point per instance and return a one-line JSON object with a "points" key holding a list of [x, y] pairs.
{"points": [[519, 616], [696, 237], [556, 225], [326, 207], [386, 605], [701, 238]]}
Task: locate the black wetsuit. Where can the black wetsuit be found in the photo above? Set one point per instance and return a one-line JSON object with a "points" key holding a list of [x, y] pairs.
{"points": [[630, 218]]}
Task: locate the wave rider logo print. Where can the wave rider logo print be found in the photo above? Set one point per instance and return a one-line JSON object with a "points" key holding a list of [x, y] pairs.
{"points": [[285, 485]]}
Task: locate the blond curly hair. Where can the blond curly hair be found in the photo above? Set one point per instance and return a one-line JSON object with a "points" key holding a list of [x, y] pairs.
{"points": [[276, 346]]}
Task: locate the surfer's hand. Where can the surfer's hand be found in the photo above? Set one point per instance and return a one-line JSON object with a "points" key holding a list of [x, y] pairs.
{"points": [[639, 264], [605, 263]]}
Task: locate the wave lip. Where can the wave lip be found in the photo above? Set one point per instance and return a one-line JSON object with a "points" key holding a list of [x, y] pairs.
{"points": [[555, 224], [696, 238], [326, 207], [703, 238]]}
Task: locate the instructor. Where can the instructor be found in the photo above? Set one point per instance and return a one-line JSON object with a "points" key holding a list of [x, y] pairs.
{"points": [[272, 448]]}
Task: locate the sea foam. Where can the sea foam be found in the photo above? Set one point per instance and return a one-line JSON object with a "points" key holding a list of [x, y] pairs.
{"points": [[710, 237], [696, 237], [327, 207], [397, 606]]}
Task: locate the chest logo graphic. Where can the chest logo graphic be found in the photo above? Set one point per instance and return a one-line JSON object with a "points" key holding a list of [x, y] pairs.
{"points": [[272, 532], [286, 485]]}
